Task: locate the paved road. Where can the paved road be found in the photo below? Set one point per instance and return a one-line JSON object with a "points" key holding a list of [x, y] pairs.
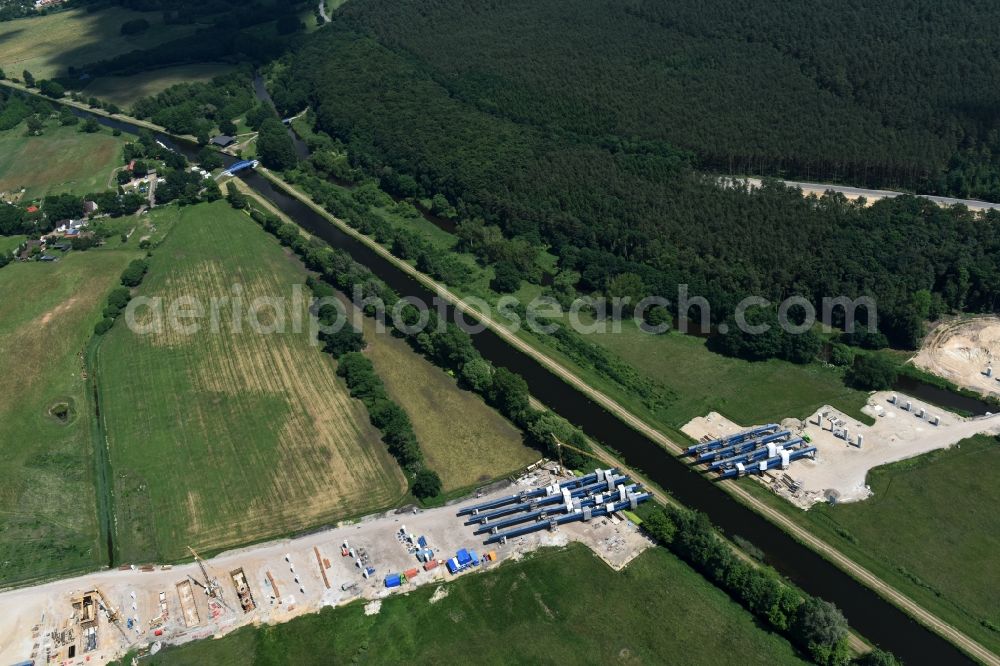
{"points": [[800, 533], [875, 195], [322, 11]]}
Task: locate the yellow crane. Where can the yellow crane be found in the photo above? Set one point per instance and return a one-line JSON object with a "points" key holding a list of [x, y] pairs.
{"points": [[560, 445], [113, 615], [211, 585]]}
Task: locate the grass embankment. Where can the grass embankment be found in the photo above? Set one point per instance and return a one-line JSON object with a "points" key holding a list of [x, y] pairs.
{"points": [[48, 520], [218, 439], [558, 606], [931, 530], [463, 439], [62, 159], [747, 392], [48, 45], [125, 90]]}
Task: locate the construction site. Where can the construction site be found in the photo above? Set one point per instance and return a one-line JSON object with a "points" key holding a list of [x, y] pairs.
{"points": [[100, 616], [826, 457], [965, 352]]}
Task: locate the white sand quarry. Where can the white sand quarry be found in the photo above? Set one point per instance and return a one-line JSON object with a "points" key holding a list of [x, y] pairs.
{"points": [[962, 351], [840, 467]]}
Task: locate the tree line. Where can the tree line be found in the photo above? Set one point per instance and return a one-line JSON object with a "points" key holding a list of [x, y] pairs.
{"points": [[15, 9], [120, 296], [814, 625], [355, 208], [864, 370]]}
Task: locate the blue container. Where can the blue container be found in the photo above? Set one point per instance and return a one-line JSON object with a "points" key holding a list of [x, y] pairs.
{"points": [[393, 580], [422, 542]]}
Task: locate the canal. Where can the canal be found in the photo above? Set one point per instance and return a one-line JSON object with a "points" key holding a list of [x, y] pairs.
{"points": [[871, 615]]}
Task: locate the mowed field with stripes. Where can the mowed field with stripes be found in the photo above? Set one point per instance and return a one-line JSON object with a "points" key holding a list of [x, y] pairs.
{"points": [[219, 438]]}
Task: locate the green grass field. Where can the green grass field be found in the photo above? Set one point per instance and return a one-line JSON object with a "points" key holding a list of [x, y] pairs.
{"points": [[48, 510], [48, 45], [464, 440], [62, 159], [10, 243], [931, 529], [747, 392], [218, 439], [555, 607], [125, 90]]}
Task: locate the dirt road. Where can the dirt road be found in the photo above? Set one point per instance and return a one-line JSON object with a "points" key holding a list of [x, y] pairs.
{"points": [[872, 195], [286, 578], [885, 590]]}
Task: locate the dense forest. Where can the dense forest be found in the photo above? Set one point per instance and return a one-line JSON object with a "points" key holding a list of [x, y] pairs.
{"points": [[895, 93], [588, 126]]}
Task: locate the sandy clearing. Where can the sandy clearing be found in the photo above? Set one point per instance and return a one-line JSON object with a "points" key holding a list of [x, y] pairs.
{"points": [[58, 310], [962, 350]]}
